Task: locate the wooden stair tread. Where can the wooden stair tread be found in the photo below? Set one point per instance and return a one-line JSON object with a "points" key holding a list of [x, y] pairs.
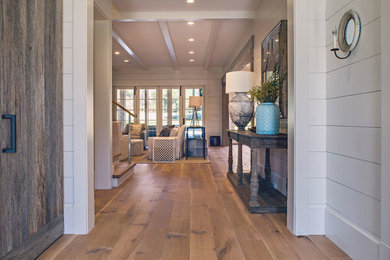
{"points": [[121, 168]]}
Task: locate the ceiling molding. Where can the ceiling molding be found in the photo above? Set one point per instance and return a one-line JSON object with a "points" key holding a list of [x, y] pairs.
{"points": [[168, 41], [126, 47], [214, 32], [172, 16]]}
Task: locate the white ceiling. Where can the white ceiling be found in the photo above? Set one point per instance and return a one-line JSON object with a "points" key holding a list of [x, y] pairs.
{"points": [[181, 5], [150, 41]]}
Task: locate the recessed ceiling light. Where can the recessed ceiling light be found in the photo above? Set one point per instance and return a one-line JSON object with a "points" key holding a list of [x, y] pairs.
{"points": [[190, 23], [191, 39], [276, 40], [192, 60], [127, 61], [117, 53], [190, 1], [191, 52]]}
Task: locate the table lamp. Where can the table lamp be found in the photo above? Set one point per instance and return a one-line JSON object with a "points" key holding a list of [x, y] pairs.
{"points": [[240, 106], [196, 102]]}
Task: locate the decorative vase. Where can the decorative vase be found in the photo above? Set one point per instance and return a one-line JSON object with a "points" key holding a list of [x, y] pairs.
{"points": [[241, 110], [267, 119]]}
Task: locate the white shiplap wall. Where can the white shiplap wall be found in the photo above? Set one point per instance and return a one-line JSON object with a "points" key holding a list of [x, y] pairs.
{"points": [[353, 101]]}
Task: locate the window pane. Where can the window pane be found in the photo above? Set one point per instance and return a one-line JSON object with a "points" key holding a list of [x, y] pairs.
{"points": [[175, 104], [175, 115], [142, 93], [152, 94], [165, 93], [142, 104], [175, 93], [152, 104], [152, 115]]}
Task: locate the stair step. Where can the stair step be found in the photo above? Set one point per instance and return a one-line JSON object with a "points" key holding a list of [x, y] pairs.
{"points": [[121, 172]]}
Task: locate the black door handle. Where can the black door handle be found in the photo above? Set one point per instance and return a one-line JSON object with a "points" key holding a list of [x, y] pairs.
{"points": [[13, 133]]}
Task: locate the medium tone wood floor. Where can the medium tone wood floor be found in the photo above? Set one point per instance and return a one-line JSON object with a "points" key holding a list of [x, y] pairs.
{"points": [[185, 211]]}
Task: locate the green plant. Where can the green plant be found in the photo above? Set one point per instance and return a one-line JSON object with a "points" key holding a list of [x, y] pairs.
{"points": [[269, 91]]}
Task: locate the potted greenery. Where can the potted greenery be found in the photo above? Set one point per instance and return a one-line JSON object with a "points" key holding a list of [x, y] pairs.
{"points": [[268, 113]]}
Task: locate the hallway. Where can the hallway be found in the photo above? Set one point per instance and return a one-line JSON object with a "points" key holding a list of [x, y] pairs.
{"points": [[185, 211]]}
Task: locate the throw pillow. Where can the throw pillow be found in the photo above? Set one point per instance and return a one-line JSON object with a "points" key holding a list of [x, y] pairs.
{"points": [[174, 131], [166, 130]]}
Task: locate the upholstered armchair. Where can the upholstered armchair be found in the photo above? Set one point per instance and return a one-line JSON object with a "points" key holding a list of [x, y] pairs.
{"points": [[179, 134], [138, 131]]}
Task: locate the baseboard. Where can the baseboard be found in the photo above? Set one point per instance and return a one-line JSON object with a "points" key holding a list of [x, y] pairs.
{"points": [[352, 239], [384, 253]]}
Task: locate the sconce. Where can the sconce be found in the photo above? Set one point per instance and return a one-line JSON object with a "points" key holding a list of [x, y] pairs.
{"points": [[348, 35]]}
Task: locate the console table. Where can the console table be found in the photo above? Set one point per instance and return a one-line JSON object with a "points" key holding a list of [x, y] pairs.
{"points": [[258, 196]]}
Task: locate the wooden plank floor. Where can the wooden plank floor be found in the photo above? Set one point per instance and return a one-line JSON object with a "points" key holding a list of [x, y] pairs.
{"points": [[185, 211]]}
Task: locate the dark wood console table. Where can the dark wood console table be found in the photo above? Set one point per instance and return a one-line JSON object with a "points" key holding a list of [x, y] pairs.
{"points": [[258, 196]]}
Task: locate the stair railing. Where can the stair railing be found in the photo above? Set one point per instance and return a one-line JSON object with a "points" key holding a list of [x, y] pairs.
{"points": [[130, 115]]}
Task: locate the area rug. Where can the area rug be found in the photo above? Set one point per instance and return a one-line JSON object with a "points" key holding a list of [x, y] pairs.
{"points": [[143, 159]]}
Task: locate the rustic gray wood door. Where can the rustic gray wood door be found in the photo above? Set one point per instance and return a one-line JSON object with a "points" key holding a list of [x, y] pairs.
{"points": [[31, 128]]}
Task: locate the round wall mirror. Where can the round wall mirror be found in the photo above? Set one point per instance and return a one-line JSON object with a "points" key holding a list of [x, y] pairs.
{"points": [[349, 31]]}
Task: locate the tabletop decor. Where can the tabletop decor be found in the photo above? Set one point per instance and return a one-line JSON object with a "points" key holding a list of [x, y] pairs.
{"points": [[268, 113], [240, 106], [195, 102]]}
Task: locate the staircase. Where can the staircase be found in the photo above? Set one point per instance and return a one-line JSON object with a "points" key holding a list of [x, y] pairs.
{"points": [[122, 171]]}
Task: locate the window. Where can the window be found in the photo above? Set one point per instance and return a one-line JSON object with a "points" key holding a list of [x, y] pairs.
{"points": [[156, 106], [170, 106], [148, 109], [125, 97]]}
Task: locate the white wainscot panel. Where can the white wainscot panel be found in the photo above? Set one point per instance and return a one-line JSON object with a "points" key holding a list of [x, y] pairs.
{"points": [[68, 190], [317, 10], [317, 219], [317, 85], [68, 112], [68, 164], [356, 174], [317, 138], [361, 209], [317, 59], [68, 86], [349, 238], [68, 34], [356, 110], [317, 164], [317, 190], [317, 112], [359, 143], [68, 219], [68, 138], [361, 77], [68, 60]]}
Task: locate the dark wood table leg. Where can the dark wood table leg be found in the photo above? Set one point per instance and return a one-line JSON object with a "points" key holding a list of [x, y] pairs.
{"points": [[239, 164], [254, 202], [230, 158], [267, 167]]}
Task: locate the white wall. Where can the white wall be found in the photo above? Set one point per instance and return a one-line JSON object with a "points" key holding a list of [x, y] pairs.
{"points": [[385, 180], [211, 80], [353, 101]]}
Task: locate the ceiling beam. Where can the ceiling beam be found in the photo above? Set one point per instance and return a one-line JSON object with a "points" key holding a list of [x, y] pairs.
{"points": [[214, 32], [167, 37], [173, 16], [126, 47]]}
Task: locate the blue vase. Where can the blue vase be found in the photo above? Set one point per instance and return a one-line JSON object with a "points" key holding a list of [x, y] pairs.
{"points": [[267, 119]]}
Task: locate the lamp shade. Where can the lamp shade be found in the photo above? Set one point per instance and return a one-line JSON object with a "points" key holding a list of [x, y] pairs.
{"points": [[196, 101], [239, 81]]}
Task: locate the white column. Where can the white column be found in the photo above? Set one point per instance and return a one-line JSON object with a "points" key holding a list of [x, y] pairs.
{"points": [[83, 116], [103, 104]]}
